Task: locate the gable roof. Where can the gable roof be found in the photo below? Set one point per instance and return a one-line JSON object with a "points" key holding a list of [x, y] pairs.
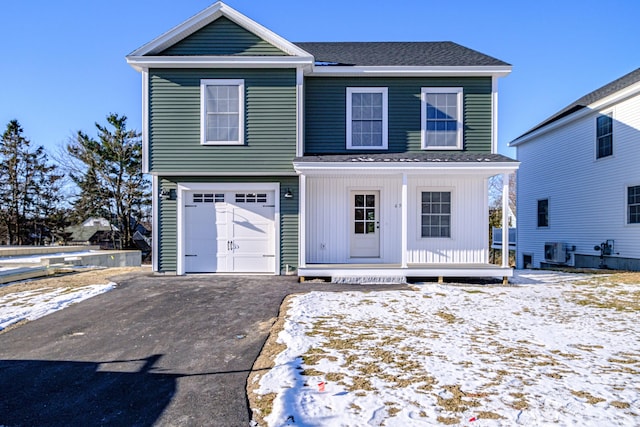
{"points": [[205, 18], [589, 99], [423, 54]]}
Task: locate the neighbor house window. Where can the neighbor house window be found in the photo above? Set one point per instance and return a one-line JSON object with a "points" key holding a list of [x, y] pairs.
{"points": [[436, 214], [222, 109], [543, 213], [367, 118], [604, 137], [441, 118], [633, 203]]}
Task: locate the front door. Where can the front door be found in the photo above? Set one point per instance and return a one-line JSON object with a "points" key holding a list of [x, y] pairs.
{"points": [[365, 224]]}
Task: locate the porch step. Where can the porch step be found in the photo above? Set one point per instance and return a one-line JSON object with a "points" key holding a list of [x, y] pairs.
{"points": [[369, 280]]}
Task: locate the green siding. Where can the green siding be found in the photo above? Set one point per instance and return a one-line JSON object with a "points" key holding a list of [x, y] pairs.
{"points": [[167, 244], [223, 37], [174, 122], [325, 112]]}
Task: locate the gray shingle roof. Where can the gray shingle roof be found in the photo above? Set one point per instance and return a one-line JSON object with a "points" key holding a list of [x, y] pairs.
{"points": [[397, 54], [426, 157], [590, 98]]}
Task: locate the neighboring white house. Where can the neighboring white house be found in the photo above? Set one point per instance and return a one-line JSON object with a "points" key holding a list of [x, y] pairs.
{"points": [[579, 182]]}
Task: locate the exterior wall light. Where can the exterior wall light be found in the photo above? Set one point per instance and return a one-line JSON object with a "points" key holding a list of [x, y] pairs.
{"points": [[288, 194], [168, 194]]}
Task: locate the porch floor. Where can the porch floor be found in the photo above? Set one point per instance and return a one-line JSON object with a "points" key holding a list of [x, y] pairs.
{"points": [[412, 270]]}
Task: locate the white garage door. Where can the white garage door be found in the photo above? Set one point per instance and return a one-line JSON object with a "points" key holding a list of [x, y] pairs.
{"points": [[229, 231]]}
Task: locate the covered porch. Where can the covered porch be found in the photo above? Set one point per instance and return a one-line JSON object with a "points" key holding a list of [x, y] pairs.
{"points": [[389, 217]]}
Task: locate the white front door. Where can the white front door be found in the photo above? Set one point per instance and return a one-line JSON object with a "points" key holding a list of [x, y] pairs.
{"points": [[365, 224], [229, 232]]}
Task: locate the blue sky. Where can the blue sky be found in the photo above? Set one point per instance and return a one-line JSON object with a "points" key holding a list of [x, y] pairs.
{"points": [[62, 64]]}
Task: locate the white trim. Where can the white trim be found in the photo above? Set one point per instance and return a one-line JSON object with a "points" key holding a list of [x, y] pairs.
{"points": [[505, 220], [207, 61], [385, 117], [626, 222], [204, 83], [404, 238], [221, 173], [494, 115], [302, 226], [419, 168], [405, 71], [155, 222], [458, 91], [145, 122], [299, 112], [225, 186], [599, 105], [206, 17]]}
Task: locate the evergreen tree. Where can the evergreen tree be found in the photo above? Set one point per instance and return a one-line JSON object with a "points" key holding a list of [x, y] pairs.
{"points": [[113, 177]]}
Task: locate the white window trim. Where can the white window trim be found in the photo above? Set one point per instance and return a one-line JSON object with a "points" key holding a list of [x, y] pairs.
{"points": [[203, 109], [423, 116], [452, 215], [627, 219], [385, 117]]}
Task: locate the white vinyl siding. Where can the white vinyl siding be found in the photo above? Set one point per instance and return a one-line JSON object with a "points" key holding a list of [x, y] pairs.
{"points": [[442, 121], [367, 118], [328, 219], [222, 111], [588, 196]]}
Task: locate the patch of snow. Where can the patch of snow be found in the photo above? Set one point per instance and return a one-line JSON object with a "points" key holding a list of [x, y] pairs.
{"points": [[530, 354], [31, 305]]}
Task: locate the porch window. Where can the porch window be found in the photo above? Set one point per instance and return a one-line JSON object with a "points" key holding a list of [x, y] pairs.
{"points": [[222, 112], [633, 203], [604, 136], [436, 214], [441, 118], [367, 122]]}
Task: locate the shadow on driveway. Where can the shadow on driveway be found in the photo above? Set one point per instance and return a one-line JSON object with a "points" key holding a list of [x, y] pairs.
{"points": [[157, 350]]}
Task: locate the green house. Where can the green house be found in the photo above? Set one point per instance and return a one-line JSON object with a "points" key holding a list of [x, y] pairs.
{"points": [[345, 160]]}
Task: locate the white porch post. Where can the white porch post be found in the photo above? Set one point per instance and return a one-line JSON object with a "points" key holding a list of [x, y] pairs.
{"points": [[505, 220], [405, 217], [302, 220]]}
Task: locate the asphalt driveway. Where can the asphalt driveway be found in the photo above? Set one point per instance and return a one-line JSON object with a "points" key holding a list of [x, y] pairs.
{"points": [[157, 350]]}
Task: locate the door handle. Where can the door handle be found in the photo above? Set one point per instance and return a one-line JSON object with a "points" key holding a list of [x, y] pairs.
{"points": [[378, 224]]}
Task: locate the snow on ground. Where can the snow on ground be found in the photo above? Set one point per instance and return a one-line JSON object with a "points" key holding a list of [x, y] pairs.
{"points": [[33, 304], [553, 349]]}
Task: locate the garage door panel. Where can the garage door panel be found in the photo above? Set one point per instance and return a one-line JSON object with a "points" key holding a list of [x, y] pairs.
{"points": [[234, 234]]}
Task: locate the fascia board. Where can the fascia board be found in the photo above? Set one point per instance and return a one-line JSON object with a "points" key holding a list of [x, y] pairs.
{"points": [[145, 62], [405, 71], [601, 104], [206, 17], [325, 168]]}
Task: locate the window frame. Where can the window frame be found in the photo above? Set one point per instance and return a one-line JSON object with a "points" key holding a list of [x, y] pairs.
{"points": [[599, 137], [630, 205], [459, 92], [546, 225], [204, 83], [385, 117], [421, 213]]}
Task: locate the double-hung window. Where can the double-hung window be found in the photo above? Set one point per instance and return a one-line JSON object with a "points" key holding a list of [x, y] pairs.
{"points": [[543, 213], [222, 111], [441, 118], [633, 204], [367, 124], [604, 136], [436, 214]]}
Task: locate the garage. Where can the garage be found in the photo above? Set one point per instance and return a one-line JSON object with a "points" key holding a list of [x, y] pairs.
{"points": [[229, 230]]}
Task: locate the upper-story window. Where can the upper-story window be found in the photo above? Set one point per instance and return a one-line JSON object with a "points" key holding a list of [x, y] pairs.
{"points": [[367, 124], [604, 136], [222, 110], [441, 118], [633, 204]]}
